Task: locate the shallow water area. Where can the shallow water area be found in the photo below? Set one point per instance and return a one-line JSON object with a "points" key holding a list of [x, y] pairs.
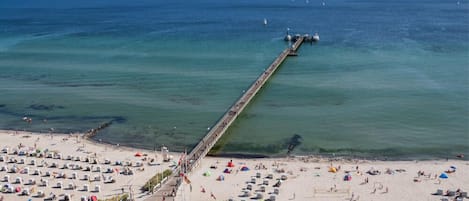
{"points": [[387, 79]]}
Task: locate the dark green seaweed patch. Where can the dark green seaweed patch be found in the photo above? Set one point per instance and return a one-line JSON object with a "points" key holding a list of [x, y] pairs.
{"points": [[294, 141], [45, 107]]}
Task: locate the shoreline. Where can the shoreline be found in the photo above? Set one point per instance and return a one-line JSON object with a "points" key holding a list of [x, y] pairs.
{"points": [[328, 157], [83, 137], [317, 157]]}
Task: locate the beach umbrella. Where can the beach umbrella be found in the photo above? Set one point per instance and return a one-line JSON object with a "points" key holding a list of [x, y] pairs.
{"points": [[226, 171], [244, 168], [94, 198], [208, 173], [443, 176], [138, 154]]}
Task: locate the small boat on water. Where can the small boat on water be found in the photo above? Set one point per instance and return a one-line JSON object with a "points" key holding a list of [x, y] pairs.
{"points": [[315, 37], [265, 21]]}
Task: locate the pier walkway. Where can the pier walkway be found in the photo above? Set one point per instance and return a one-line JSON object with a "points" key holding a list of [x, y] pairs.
{"points": [[230, 116], [195, 157]]}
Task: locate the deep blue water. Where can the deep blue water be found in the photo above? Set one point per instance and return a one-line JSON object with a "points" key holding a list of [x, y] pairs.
{"points": [[388, 78]]}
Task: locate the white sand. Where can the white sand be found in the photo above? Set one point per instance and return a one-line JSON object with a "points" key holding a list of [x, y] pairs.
{"points": [[308, 178], [315, 182], [68, 145]]}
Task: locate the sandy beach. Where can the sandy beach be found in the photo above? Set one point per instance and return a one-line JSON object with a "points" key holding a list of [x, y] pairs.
{"points": [[71, 169], [298, 178], [307, 178]]}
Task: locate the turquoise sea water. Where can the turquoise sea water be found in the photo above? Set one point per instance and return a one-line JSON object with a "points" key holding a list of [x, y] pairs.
{"points": [[387, 78]]}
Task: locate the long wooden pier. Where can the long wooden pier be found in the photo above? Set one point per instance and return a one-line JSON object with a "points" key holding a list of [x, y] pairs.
{"points": [[195, 157], [217, 131]]}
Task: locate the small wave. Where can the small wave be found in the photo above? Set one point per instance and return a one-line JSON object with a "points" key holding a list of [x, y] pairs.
{"points": [[6, 43]]}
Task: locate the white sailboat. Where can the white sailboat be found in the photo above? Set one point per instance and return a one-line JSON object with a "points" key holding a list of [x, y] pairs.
{"points": [[265, 21]]}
